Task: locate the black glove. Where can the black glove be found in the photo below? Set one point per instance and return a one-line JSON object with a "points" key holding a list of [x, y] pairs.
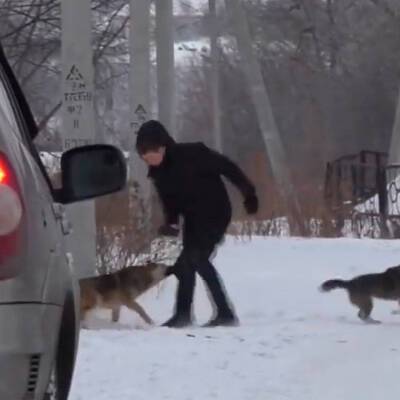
{"points": [[251, 204], [168, 230]]}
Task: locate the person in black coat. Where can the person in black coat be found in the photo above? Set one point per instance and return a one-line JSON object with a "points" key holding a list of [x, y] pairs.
{"points": [[187, 177]]}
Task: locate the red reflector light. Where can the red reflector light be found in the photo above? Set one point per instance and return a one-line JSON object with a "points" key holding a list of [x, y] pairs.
{"points": [[3, 174], [10, 199], [11, 211]]}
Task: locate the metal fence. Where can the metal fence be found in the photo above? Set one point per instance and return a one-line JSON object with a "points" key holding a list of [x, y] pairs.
{"points": [[363, 194]]}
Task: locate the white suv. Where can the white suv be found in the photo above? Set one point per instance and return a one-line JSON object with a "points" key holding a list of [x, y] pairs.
{"points": [[39, 321]]}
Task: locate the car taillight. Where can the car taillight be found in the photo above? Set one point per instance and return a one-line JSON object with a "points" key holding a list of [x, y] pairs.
{"points": [[11, 210]]}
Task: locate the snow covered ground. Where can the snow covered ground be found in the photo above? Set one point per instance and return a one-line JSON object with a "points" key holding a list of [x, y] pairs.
{"points": [[293, 343]]}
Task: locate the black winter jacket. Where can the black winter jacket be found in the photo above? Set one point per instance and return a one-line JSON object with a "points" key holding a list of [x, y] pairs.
{"points": [[189, 184]]}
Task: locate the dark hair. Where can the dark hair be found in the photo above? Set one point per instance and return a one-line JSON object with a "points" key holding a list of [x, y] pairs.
{"points": [[151, 136]]}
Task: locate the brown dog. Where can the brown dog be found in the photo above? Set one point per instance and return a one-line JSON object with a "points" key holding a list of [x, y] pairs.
{"points": [[121, 288], [362, 289]]}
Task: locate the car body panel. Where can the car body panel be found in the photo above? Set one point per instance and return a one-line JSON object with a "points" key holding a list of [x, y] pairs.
{"points": [[22, 351], [39, 296], [31, 303], [43, 255]]}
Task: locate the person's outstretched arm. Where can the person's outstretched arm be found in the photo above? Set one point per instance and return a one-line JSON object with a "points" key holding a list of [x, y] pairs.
{"points": [[215, 162]]}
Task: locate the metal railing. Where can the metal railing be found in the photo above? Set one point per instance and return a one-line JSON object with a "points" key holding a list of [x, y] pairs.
{"points": [[363, 191]]}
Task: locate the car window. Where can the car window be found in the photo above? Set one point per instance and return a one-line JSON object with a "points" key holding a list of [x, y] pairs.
{"points": [[7, 111], [13, 117]]}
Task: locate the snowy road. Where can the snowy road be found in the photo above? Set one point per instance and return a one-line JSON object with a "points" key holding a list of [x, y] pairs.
{"points": [[294, 342]]}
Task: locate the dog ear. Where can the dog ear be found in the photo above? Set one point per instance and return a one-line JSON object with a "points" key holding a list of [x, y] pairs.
{"points": [[394, 270]]}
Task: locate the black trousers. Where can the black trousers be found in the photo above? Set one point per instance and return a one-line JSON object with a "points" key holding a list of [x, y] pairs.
{"points": [[196, 259]]}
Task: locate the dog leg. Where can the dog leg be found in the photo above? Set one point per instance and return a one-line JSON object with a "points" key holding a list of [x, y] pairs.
{"points": [[135, 306], [365, 314], [84, 325], [115, 311], [369, 320], [397, 312], [365, 305], [83, 322]]}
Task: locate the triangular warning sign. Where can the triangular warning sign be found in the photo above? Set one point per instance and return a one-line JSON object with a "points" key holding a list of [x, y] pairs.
{"points": [[140, 110], [74, 74]]}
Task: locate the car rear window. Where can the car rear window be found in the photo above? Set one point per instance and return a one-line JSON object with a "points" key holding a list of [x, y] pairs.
{"points": [[6, 109], [11, 125]]}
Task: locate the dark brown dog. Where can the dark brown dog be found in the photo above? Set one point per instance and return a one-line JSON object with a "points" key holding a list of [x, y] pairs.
{"points": [[121, 288], [362, 289]]}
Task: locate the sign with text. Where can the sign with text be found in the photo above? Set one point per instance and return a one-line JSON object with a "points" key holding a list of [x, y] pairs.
{"points": [[78, 111]]}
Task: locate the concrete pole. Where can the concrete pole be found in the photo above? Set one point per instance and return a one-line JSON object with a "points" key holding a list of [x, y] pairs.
{"points": [[215, 92], [78, 121], [394, 150], [140, 102], [165, 64], [139, 85], [272, 140]]}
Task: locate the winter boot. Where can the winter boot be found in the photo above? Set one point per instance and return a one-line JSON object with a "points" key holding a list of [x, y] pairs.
{"points": [[225, 315], [184, 299], [222, 320]]}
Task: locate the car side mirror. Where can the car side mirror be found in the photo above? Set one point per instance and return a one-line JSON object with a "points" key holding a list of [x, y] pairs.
{"points": [[91, 171]]}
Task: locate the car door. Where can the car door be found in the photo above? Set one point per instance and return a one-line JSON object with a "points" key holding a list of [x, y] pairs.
{"points": [[42, 254]]}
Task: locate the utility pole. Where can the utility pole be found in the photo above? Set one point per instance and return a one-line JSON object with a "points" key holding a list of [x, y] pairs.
{"points": [[78, 121], [139, 86], [272, 140], [140, 103], [165, 64], [394, 150], [215, 90]]}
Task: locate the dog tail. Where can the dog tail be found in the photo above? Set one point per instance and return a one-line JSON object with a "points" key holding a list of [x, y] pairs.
{"points": [[327, 286]]}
